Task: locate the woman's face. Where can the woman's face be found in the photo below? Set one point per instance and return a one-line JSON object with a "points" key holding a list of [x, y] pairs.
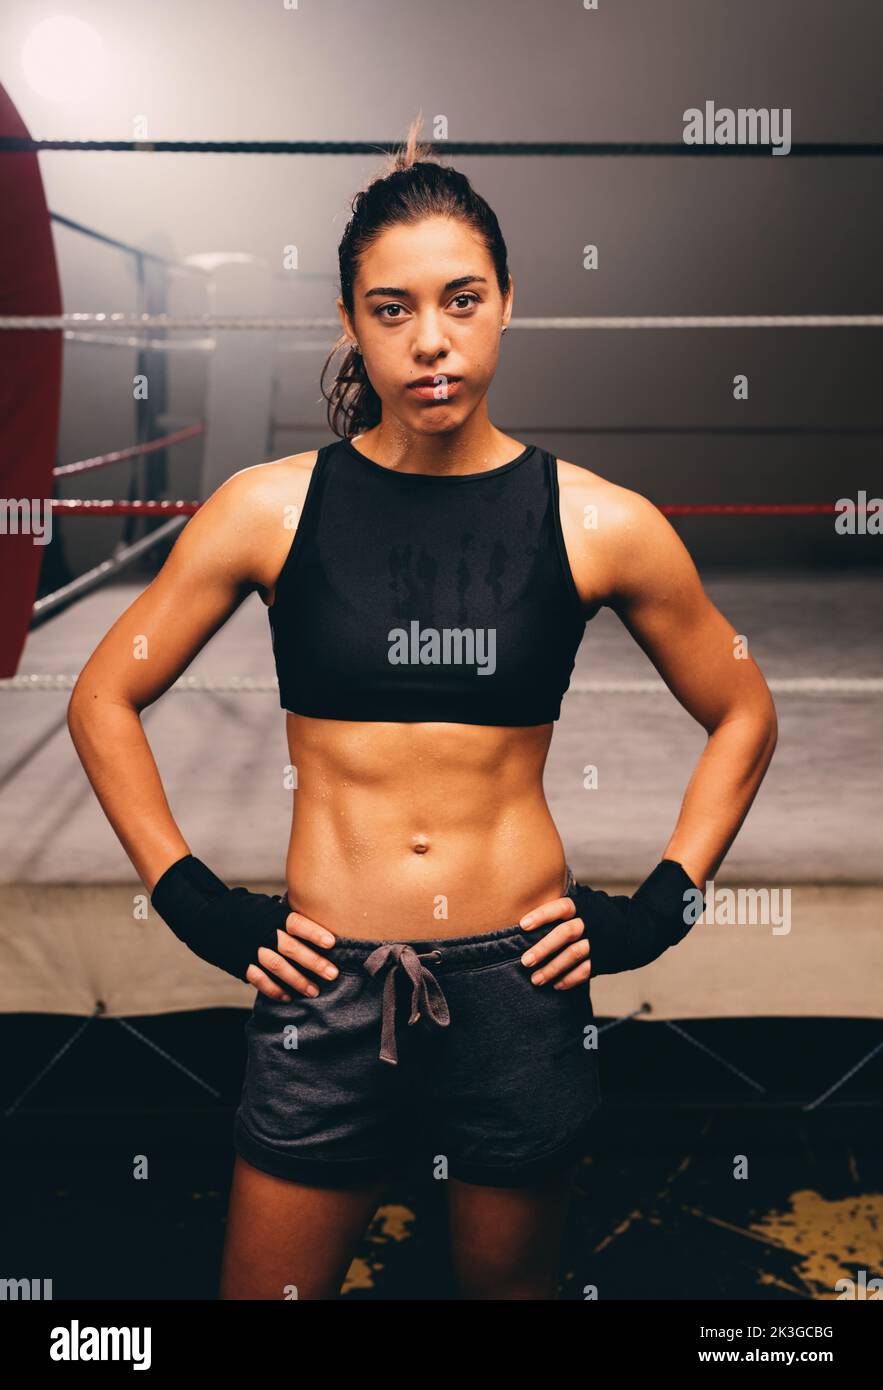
{"points": [[427, 305]]}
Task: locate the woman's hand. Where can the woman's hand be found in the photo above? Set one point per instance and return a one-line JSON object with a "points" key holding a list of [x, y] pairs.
{"points": [[291, 947], [568, 966]]}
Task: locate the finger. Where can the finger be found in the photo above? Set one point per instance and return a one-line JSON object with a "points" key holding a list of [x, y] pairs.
{"points": [[576, 952], [281, 970], [551, 911], [299, 925], [579, 976], [264, 985], [292, 948], [558, 936]]}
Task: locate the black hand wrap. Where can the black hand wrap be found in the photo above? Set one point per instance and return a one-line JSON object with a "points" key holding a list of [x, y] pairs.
{"points": [[626, 933], [225, 926]]}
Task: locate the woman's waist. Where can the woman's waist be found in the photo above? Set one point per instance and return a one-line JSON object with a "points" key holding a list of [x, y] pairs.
{"points": [[422, 884]]}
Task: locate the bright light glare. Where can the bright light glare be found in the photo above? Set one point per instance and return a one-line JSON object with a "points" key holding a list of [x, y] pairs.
{"points": [[63, 59]]}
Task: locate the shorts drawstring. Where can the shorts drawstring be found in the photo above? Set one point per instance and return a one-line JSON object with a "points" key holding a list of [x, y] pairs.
{"points": [[427, 997]]}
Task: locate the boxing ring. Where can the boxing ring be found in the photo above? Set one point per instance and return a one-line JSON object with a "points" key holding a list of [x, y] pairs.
{"points": [[76, 939]]}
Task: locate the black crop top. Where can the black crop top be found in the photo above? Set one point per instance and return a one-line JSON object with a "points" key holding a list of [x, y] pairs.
{"points": [[414, 597]]}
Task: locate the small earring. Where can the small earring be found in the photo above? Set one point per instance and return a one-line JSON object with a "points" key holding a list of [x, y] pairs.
{"points": [[503, 329], [356, 348]]}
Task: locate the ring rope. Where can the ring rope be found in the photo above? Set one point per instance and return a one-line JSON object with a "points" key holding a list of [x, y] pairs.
{"points": [[261, 685], [51, 604], [133, 451], [15, 144], [109, 506], [126, 322]]}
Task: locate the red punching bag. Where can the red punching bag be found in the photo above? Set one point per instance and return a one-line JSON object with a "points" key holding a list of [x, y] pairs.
{"points": [[30, 383]]}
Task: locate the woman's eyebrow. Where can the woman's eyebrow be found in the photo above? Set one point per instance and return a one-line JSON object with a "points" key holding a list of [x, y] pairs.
{"points": [[451, 285]]}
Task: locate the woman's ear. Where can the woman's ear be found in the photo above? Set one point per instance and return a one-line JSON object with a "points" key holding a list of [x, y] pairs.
{"points": [[507, 302], [346, 325]]}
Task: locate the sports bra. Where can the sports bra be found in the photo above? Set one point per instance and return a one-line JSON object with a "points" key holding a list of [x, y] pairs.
{"points": [[418, 597]]}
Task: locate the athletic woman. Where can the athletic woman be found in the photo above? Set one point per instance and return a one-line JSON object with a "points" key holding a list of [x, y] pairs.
{"points": [[423, 986]]}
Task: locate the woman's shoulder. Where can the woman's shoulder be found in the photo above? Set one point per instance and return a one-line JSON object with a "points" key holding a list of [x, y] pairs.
{"points": [[262, 479], [580, 488], [264, 503], [263, 490], [604, 524]]}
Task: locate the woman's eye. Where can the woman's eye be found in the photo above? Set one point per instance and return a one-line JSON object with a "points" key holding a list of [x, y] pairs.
{"points": [[462, 300]]}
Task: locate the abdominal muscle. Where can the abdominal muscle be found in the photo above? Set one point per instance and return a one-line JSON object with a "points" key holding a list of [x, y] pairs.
{"points": [[410, 831]]}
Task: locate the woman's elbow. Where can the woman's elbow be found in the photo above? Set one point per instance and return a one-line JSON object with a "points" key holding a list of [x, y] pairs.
{"points": [[78, 707], [86, 703], [767, 735], [758, 722]]}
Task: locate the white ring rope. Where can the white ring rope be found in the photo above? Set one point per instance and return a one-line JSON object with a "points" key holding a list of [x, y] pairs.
{"points": [[257, 685], [211, 321]]}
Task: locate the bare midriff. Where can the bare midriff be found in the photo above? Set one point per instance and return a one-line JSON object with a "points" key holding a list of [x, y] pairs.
{"points": [[409, 831]]}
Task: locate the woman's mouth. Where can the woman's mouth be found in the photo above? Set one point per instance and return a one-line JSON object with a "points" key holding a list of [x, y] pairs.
{"points": [[437, 388]]}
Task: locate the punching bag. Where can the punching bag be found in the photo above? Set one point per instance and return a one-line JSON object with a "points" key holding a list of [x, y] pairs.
{"points": [[30, 385]]}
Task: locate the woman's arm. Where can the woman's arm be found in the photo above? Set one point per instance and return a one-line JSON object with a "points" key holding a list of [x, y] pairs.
{"points": [[657, 594], [236, 542], [208, 573], [634, 562]]}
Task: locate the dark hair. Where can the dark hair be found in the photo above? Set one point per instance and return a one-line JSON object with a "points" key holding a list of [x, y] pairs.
{"points": [[412, 188]]}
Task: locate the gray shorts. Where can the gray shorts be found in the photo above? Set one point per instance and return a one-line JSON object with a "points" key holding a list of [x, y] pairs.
{"points": [[437, 1051]]}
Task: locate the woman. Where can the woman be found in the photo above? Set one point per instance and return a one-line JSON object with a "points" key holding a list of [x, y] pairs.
{"points": [[428, 581]]}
